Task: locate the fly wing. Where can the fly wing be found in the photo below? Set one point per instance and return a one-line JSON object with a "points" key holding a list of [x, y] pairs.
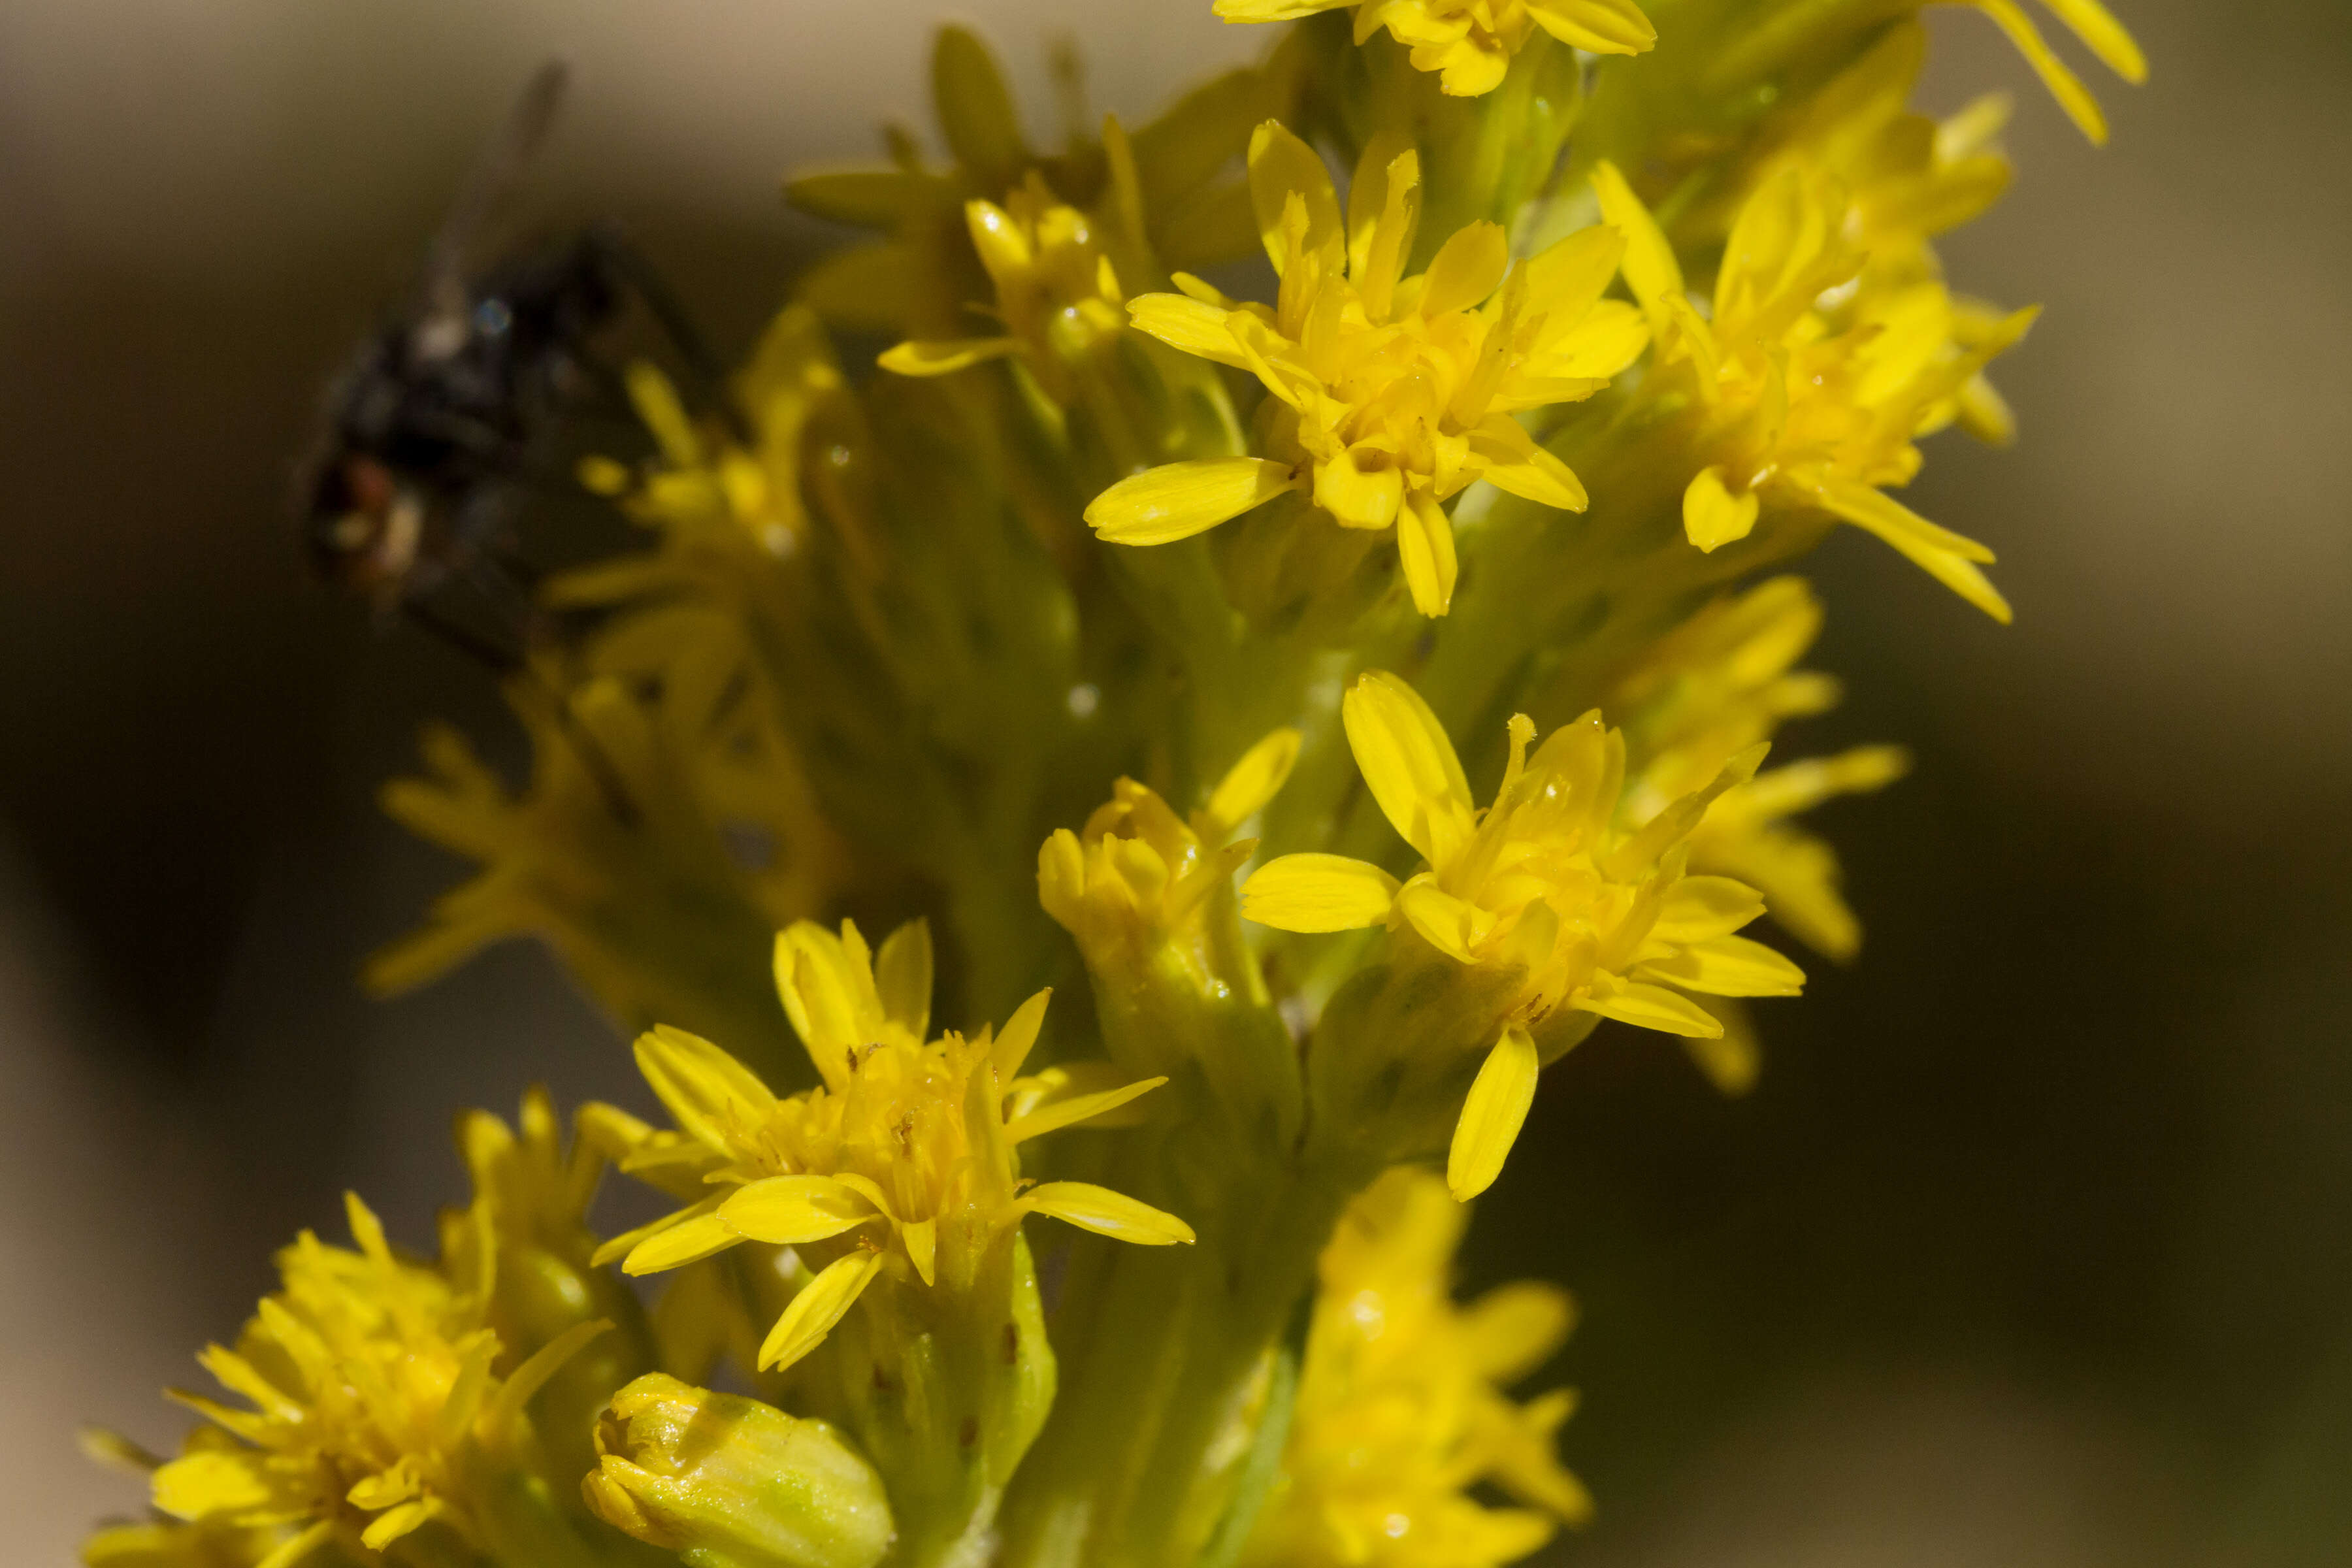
{"points": [[441, 325]]}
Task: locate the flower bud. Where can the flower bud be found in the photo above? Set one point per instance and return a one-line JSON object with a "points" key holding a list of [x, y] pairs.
{"points": [[729, 1482]]}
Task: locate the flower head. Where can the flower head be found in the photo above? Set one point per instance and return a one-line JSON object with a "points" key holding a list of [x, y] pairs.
{"points": [[1139, 873], [722, 1479], [369, 1379], [1723, 681], [666, 833], [904, 1160], [1596, 919], [1471, 42], [1057, 294], [1808, 401], [1401, 1412], [1391, 395], [724, 500]]}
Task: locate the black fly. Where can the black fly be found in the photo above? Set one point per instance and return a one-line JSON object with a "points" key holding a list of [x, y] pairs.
{"points": [[450, 410]]}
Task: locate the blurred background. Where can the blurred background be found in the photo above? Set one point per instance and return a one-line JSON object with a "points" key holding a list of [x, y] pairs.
{"points": [[2032, 1245]]}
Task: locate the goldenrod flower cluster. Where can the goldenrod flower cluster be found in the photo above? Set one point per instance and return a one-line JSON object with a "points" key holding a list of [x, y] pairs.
{"points": [[1303, 581]]}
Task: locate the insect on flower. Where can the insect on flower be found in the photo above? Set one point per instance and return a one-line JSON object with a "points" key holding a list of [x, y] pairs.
{"points": [[449, 409]]}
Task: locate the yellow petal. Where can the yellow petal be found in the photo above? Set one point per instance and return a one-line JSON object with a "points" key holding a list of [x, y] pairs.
{"points": [[2063, 84], [1383, 213], [1567, 278], [1055, 1115], [1466, 269], [1601, 27], [213, 1480], [1191, 325], [1513, 1329], [902, 977], [827, 985], [1455, 927], [1407, 761], [1176, 501], [1360, 487], [1274, 10], [387, 1528], [1014, 1041], [1106, 1213], [1802, 785], [1698, 908], [2104, 35], [1650, 267], [533, 1374], [789, 1210], [1317, 893], [628, 1241], [1493, 1115], [1611, 336], [1249, 784], [1730, 966], [1516, 464], [688, 1241], [922, 1240], [1731, 1061], [1651, 1007], [1712, 515], [1281, 165], [706, 1090], [1425, 548], [944, 358], [1947, 557], [820, 1304], [870, 198], [975, 109]]}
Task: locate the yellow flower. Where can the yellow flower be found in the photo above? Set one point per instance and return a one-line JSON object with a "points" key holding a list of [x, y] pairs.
{"points": [[1909, 178], [665, 835], [370, 1378], [158, 1543], [725, 501], [1391, 395], [1799, 409], [1600, 921], [1139, 873], [1718, 684], [1057, 294], [905, 1159], [1471, 42], [1401, 1413]]}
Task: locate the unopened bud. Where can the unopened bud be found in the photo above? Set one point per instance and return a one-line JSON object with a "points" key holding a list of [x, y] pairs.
{"points": [[729, 1482]]}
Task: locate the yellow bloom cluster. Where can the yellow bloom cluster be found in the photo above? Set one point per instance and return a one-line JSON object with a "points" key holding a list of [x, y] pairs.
{"points": [[373, 1384], [1804, 408], [905, 1160], [1389, 393], [1401, 1415], [1605, 325], [1137, 872], [1057, 293], [1544, 884], [1720, 684]]}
